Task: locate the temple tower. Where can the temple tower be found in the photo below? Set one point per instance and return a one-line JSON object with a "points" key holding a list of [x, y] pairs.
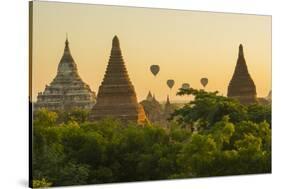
{"points": [[116, 96], [242, 86], [67, 90]]}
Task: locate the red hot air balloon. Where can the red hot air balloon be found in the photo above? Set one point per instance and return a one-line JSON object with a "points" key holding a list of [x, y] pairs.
{"points": [[170, 83], [154, 69], [204, 81]]}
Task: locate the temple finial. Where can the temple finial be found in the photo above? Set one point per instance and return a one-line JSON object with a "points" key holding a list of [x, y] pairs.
{"points": [[115, 41], [241, 53], [66, 40]]}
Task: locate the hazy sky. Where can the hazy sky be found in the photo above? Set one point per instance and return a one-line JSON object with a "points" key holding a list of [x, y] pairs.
{"points": [[187, 45]]}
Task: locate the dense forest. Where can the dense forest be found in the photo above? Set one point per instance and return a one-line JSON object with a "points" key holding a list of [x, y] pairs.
{"points": [[211, 135]]}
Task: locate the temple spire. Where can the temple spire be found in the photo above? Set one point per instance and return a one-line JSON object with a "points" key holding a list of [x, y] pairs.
{"points": [[67, 90], [169, 109], [117, 97], [241, 85], [66, 48], [168, 100], [67, 63], [241, 53], [149, 96], [153, 97], [115, 41]]}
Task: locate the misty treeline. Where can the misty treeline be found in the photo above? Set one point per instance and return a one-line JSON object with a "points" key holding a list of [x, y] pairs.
{"points": [[210, 136]]}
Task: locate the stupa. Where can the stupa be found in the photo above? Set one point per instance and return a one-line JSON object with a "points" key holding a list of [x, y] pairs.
{"points": [[67, 90], [242, 86], [116, 96]]}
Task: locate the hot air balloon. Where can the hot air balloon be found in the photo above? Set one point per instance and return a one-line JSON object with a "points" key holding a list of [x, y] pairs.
{"points": [[170, 83], [154, 69], [185, 86], [204, 81]]}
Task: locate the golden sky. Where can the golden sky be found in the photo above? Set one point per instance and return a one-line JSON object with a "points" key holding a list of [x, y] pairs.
{"points": [[187, 45]]}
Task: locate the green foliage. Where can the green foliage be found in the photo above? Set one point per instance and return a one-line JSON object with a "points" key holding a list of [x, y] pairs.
{"points": [[178, 134], [207, 108], [259, 113], [72, 173], [77, 115], [228, 139], [45, 118], [43, 183], [222, 132], [228, 149]]}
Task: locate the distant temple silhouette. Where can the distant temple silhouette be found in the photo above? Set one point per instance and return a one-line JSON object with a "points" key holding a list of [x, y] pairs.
{"points": [[167, 107], [67, 90], [152, 108], [242, 86], [149, 96], [116, 96]]}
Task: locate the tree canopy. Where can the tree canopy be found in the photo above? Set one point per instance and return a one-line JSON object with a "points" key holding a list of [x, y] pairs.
{"points": [[228, 139]]}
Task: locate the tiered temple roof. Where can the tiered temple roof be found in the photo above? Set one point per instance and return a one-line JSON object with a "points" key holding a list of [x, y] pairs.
{"points": [[67, 90], [116, 96], [242, 86]]}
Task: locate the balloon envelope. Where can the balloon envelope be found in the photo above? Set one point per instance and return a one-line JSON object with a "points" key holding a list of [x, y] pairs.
{"points": [[170, 83], [154, 69], [185, 86], [204, 81]]}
